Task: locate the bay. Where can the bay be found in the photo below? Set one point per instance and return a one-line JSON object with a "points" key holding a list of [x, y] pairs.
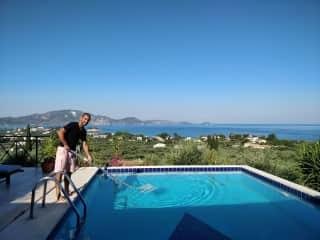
{"points": [[307, 132]]}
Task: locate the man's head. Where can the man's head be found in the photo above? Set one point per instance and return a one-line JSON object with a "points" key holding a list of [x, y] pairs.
{"points": [[85, 119]]}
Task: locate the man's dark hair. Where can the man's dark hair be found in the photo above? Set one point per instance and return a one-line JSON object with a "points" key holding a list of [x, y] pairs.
{"points": [[86, 114]]}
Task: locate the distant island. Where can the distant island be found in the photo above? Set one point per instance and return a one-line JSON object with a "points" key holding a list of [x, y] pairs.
{"points": [[61, 117]]}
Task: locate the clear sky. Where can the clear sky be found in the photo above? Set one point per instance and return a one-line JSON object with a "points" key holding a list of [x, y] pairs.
{"points": [[237, 61]]}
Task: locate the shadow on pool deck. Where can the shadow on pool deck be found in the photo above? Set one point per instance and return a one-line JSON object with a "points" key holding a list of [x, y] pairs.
{"points": [[15, 198]]}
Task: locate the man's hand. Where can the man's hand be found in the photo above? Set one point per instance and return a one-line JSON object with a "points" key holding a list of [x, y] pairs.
{"points": [[66, 147], [89, 159]]}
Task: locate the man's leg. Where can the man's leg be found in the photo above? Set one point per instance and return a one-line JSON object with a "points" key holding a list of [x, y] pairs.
{"points": [[58, 190], [71, 167], [60, 164], [67, 184]]}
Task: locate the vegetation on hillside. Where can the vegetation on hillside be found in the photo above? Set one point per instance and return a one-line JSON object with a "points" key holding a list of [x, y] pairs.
{"points": [[295, 161]]}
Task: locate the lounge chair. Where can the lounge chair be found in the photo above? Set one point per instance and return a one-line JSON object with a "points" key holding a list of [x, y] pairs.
{"points": [[7, 170]]}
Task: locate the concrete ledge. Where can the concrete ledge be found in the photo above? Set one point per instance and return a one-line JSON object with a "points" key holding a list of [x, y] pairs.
{"points": [[46, 218]]}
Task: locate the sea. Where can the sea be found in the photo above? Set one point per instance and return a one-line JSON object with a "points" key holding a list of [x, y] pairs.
{"points": [[306, 132], [297, 132]]}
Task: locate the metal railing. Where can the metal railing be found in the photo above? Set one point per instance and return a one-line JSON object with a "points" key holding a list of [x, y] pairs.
{"points": [[44, 180], [75, 189], [12, 147]]}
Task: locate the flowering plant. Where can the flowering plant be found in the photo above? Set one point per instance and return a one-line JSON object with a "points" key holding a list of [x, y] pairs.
{"points": [[116, 160]]}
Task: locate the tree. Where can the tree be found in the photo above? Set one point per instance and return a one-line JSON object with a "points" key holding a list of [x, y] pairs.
{"points": [[28, 138], [213, 142], [164, 135], [176, 137], [272, 139], [123, 135]]}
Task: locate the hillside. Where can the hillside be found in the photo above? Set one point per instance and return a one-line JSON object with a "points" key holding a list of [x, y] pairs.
{"points": [[61, 117]]}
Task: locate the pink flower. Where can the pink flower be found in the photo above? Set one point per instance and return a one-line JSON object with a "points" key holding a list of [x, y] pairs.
{"points": [[115, 162]]}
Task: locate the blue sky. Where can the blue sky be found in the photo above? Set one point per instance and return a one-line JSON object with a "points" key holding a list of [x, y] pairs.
{"points": [[217, 61]]}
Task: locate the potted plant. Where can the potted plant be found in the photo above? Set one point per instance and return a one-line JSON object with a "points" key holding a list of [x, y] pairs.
{"points": [[48, 151], [47, 165]]}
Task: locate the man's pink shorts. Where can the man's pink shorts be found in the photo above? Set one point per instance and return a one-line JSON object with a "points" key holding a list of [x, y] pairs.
{"points": [[65, 161]]}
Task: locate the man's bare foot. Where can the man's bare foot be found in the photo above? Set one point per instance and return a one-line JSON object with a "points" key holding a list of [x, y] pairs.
{"points": [[61, 199], [72, 193]]}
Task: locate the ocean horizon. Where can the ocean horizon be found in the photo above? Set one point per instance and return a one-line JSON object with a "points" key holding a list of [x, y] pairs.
{"points": [[306, 132]]}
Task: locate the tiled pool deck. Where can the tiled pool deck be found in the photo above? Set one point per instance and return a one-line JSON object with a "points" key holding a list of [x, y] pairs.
{"points": [[16, 223]]}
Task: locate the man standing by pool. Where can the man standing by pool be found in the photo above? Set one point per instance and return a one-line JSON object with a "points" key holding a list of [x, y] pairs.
{"points": [[69, 137]]}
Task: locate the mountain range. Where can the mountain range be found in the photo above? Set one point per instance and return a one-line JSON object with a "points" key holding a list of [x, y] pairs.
{"points": [[61, 117]]}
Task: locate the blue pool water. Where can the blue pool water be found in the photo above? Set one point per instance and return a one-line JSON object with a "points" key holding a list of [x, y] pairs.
{"points": [[235, 204]]}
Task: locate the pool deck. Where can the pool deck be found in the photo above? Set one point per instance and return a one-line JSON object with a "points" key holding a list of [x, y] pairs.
{"points": [[15, 204]]}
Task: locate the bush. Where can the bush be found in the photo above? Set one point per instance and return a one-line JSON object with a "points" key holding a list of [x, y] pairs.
{"points": [[49, 147], [190, 153], [213, 142], [310, 164]]}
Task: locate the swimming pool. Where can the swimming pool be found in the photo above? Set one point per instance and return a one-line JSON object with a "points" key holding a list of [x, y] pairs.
{"points": [[206, 203]]}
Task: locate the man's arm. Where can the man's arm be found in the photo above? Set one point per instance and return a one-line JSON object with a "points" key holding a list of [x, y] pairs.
{"points": [[61, 133], [86, 150]]}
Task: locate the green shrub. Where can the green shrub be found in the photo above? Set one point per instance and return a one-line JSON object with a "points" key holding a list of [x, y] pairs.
{"points": [[191, 153], [310, 164], [213, 142], [48, 148]]}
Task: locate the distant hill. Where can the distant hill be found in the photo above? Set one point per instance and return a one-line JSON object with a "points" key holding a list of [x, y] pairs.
{"points": [[61, 117]]}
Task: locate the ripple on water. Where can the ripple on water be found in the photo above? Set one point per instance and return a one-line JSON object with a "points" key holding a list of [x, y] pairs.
{"points": [[192, 192]]}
